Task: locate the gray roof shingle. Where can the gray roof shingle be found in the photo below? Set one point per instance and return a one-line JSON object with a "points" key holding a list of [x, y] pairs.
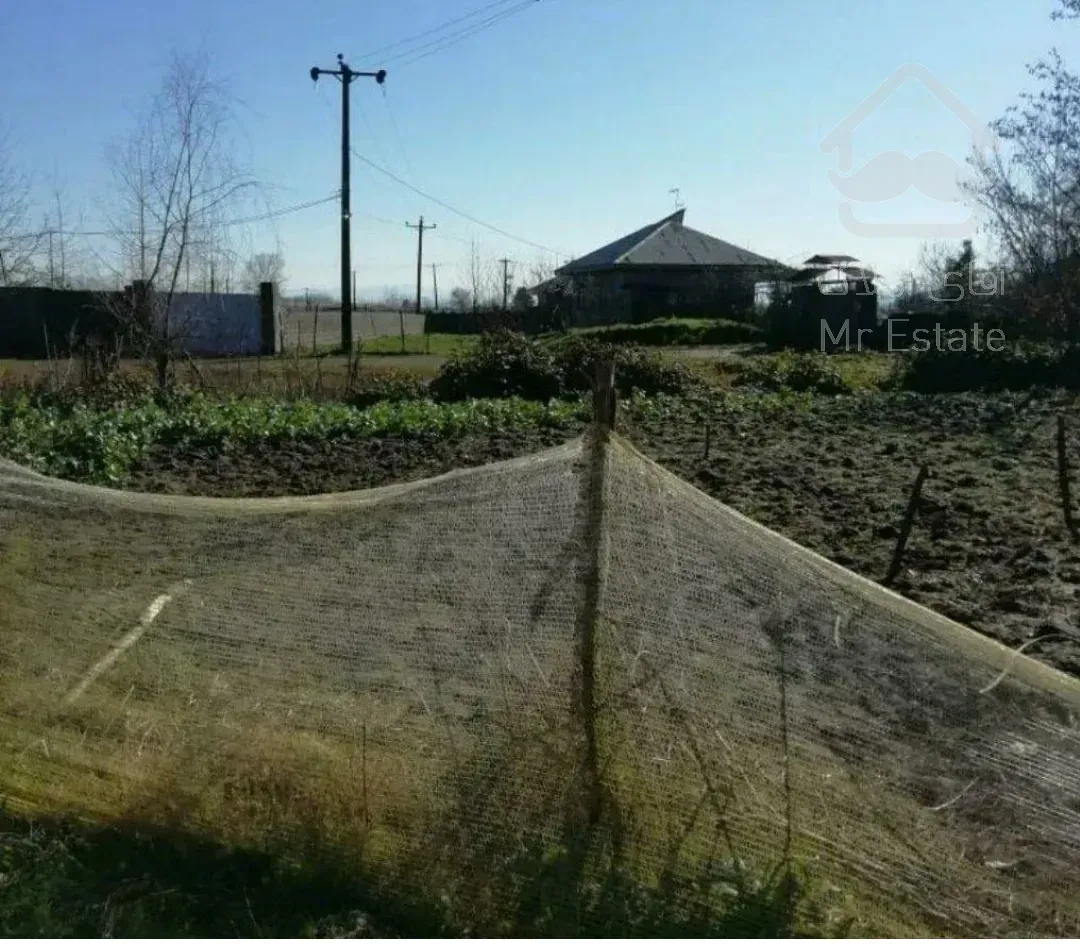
{"points": [[666, 243]]}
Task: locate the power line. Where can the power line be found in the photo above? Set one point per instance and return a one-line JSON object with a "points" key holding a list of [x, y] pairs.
{"points": [[452, 39], [239, 221], [397, 133], [452, 209], [434, 29]]}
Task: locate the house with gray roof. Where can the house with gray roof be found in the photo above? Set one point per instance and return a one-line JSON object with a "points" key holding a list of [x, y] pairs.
{"points": [[665, 268]]}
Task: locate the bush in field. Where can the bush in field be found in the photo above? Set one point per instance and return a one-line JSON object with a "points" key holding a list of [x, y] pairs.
{"points": [[636, 369], [680, 333], [503, 364], [389, 387], [794, 370], [1017, 367]]}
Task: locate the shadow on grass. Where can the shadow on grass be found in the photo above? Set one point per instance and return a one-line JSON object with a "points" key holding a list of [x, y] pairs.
{"points": [[62, 879]]}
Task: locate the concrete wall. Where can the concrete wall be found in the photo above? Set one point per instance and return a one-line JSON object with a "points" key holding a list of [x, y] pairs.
{"points": [[40, 322], [215, 324]]}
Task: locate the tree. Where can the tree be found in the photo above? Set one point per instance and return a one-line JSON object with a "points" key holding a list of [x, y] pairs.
{"points": [[18, 248], [264, 267], [522, 300], [474, 274], [460, 300], [175, 176], [1030, 190]]}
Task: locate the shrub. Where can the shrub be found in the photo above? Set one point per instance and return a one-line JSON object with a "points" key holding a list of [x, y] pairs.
{"points": [[683, 333], [503, 364], [1017, 367], [797, 371], [636, 369], [389, 387]]}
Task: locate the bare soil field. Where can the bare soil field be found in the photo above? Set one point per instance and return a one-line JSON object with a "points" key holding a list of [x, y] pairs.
{"points": [[323, 329], [989, 546]]}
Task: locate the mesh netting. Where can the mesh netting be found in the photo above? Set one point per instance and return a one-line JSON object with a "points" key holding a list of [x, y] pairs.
{"points": [[453, 680]]}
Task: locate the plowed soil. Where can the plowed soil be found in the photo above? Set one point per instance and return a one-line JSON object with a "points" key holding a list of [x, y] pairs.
{"points": [[989, 546]]}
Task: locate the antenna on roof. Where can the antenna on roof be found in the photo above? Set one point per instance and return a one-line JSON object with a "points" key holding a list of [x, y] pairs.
{"points": [[678, 201]]}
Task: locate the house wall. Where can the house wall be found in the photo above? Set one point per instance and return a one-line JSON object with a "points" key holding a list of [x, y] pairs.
{"points": [[612, 296]]}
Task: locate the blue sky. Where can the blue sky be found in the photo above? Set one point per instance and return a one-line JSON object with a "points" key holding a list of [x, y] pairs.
{"points": [[566, 124]]}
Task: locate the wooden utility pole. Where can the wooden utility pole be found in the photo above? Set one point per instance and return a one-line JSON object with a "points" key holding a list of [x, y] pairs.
{"points": [[345, 76], [435, 284], [506, 281], [420, 227]]}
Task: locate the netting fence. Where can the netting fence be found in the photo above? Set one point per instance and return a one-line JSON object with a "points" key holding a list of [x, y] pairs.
{"points": [[503, 684]]}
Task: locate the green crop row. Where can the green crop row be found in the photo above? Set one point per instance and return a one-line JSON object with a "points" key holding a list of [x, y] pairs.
{"points": [[99, 445]]}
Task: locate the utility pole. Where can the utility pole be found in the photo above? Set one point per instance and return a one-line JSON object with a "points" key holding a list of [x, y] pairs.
{"points": [[345, 76], [420, 227], [354, 288], [506, 280], [435, 283]]}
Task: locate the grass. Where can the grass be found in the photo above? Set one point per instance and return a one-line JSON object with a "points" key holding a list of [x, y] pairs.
{"points": [[435, 344], [811, 370], [65, 879]]}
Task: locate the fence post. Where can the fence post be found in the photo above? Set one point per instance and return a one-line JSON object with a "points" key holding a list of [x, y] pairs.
{"points": [[1063, 479], [269, 322], [905, 526]]}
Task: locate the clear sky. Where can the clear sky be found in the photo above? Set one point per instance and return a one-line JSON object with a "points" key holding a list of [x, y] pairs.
{"points": [[566, 124]]}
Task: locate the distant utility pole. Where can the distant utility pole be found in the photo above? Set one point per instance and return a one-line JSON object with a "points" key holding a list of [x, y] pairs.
{"points": [[354, 288], [506, 280], [420, 227], [345, 76], [435, 283]]}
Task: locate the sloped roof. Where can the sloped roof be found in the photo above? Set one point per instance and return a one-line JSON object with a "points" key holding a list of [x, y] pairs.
{"points": [[827, 260], [666, 243]]}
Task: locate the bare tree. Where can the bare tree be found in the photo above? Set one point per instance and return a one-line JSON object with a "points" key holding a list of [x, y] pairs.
{"points": [[264, 267], [460, 300], [474, 276], [1030, 189], [175, 176], [540, 271], [18, 247]]}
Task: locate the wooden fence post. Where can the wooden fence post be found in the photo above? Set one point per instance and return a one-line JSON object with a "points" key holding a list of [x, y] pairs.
{"points": [[905, 527], [1063, 479]]}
